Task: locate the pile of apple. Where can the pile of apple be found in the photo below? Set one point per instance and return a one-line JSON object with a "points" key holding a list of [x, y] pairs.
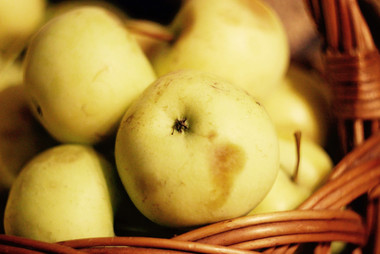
{"points": [[193, 121]]}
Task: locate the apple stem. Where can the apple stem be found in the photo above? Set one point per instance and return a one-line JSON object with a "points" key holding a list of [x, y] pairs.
{"points": [[297, 136], [149, 29]]}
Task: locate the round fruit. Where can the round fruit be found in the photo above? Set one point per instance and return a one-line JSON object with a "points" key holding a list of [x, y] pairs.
{"points": [[194, 149], [82, 70]]}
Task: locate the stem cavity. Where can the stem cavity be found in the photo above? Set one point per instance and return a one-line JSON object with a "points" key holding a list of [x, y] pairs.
{"points": [[180, 125]]}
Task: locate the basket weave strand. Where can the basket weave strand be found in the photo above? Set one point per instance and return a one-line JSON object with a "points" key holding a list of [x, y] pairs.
{"points": [[352, 68]]}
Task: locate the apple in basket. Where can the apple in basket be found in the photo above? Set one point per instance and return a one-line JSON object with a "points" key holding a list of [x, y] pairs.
{"points": [[194, 149], [315, 163], [301, 102], [21, 137], [243, 41], [82, 70], [66, 192], [304, 166], [19, 19]]}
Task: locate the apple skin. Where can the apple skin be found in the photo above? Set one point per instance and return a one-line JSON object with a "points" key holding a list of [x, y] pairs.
{"points": [[242, 41], [288, 193], [219, 167], [19, 19], [315, 162], [301, 103], [21, 136], [10, 73], [82, 70], [66, 192], [284, 195]]}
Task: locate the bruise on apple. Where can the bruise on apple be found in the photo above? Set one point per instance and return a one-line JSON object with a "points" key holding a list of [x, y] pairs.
{"points": [[227, 161], [148, 186]]}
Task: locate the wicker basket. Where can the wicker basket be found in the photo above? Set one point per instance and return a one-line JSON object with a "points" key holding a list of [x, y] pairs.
{"points": [[346, 208]]}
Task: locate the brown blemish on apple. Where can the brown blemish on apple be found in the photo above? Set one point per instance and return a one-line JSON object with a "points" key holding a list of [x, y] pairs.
{"points": [[216, 86], [212, 135], [128, 119], [160, 87], [143, 186], [227, 161], [148, 186]]}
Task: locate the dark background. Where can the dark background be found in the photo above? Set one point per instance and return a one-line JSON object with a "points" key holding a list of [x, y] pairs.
{"points": [[162, 11]]}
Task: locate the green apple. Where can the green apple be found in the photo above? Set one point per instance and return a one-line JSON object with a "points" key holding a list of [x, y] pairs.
{"points": [[284, 195], [19, 19], [66, 192], [242, 41], [315, 163], [195, 149], [301, 102], [82, 70]]}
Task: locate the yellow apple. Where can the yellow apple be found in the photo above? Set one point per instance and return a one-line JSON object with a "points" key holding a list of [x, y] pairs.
{"points": [[301, 102], [19, 19], [314, 166], [66, 192], [194, 149], [82, 70], [11, 74], [21, 137], [304, 165], [242, 41], [284, 195]]}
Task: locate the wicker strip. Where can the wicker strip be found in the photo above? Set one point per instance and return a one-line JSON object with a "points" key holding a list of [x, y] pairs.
{"points": [[341, 191], [159, 243], [10, 243], [356, 88], [295, 216], [352, 67], [308, 229], [301, 238], [364, 152], [286, 233], [130, 250], [17, 250]]}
